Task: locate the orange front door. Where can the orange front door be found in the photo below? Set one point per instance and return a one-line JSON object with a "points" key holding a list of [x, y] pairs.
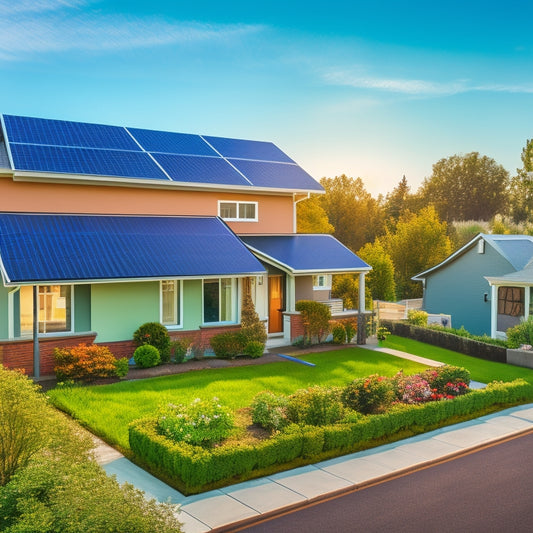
{"points": [[275, 304]]}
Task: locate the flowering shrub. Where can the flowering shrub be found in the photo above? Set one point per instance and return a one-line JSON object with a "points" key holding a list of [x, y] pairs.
{"points": [[455, 389], [372, 394], [146, 356], [87, 362], [316, 406], [202, 423], [269, 410], [439, 377], [412, 389], [155, 334], [382, 333], [417, 317]]}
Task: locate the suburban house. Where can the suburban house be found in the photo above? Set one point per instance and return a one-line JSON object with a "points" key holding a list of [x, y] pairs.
{"points": [[106, 228], [486, 286]]}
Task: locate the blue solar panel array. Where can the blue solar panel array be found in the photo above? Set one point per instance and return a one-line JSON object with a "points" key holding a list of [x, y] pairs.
{"points": [[76, 148], [47, 247]]}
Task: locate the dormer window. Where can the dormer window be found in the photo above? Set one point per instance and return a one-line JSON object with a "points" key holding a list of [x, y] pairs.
{"points": [[238, 211]]}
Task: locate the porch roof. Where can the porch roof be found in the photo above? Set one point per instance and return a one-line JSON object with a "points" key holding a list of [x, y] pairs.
{"points": [[63, 248], [521, 278], [305, 253]]}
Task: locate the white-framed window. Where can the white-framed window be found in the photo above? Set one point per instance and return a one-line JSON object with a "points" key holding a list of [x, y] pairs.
{"points": [[237, 211], [55, 309], [219, 300], [171, 311], [322, 282]]}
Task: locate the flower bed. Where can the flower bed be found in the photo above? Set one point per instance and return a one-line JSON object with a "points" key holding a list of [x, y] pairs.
{"points": [[193, 469]]}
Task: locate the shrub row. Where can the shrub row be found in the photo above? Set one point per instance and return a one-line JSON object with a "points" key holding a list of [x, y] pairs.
{"points": [[194, 467], [448, 340]]}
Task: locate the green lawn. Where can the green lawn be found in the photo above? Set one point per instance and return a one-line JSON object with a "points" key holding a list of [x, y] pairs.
{"points": [[107, 410], [480, 370]]}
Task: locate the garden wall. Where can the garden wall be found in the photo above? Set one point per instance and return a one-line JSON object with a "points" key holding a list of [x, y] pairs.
{"points": [[449, 341]]}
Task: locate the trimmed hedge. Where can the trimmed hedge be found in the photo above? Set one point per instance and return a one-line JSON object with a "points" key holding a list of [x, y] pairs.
{"points": [[193, 468], [443, 339]]}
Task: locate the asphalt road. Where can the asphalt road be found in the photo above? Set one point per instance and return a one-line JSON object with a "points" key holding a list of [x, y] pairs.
{"points": [[490, 490]]}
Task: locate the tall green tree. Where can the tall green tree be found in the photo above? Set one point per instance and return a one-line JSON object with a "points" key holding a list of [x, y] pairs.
{"points": [[467, 187], [418, 242], [356, 216], [522, 187], [380, 280], [311, 217]]}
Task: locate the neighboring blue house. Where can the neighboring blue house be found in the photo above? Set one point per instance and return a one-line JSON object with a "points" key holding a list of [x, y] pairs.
{"points": [[486, 286]]}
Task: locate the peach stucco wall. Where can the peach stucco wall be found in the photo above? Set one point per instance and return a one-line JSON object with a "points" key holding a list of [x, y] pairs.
{"points": [[275, 212]]}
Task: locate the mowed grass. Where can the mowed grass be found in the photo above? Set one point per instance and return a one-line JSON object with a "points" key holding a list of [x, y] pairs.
{"points": [[480, 370], [107, 410]]}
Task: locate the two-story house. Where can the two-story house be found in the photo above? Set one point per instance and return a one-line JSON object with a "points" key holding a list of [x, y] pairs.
{"points": [[104, 228]]}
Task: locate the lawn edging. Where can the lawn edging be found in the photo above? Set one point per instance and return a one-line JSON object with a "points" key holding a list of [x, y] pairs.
{"points": [[193, 469]]}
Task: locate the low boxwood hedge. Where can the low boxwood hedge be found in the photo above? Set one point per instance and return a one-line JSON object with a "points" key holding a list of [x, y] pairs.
{"points": [[193, 469]]}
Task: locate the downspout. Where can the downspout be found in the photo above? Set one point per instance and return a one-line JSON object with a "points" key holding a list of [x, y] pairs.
{"points": [[294, 218]]}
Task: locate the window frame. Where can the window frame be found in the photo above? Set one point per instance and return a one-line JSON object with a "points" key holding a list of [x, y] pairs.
{"points": [[238, 204], [69, 312], [233, 302], [328, 281], [178, 303]]}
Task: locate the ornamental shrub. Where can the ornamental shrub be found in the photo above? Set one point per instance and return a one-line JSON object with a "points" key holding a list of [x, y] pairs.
{"points": [[179, 348], [520, 334], [227, 345], [373, 394], [154, 334], [254, 349], [122, 366], [339, 333], [252, 328], [146, 356], [412, 389], [417, 317], [202, 423], [315, 406], [269, 410], [351, 329], [87, 362], [439, 377], [382, 333], [315, 318]]}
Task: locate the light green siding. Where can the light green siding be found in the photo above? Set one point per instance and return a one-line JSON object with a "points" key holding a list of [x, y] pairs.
{"points": [[82, 308], [4, 312], [118, 309], [458, 288], [192, 304]]}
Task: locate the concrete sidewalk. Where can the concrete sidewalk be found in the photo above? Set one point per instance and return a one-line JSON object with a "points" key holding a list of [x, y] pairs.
{"points": [[223, 507]]}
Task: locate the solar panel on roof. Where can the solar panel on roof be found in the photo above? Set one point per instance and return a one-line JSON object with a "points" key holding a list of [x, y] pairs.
{"points": [[63, 133], [278, 175], [196, 169], [242, 149], [171, 143], [85, 161]]}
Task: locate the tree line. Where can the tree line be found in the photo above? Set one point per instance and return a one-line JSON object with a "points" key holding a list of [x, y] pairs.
{"points": [[405, 232]]}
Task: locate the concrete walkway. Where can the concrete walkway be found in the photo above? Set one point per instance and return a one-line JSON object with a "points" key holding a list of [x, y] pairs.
{"points": [[223, 507]]}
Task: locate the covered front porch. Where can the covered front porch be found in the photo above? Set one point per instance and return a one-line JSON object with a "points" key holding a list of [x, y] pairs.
{"points": [[300, 267], [511, 299]]}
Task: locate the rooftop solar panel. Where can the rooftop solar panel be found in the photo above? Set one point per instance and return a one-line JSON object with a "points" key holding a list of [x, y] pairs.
{"points": [[196, 169], [238, 148], [171, 143], [85, 161], [64, 133], [276, 175]]}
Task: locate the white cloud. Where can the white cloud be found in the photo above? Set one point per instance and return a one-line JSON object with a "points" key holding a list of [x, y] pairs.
{"points": [[416, 87], [54, 26]]}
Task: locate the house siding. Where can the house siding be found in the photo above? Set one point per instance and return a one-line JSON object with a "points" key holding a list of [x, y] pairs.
{"points": [[4, 312], [458, 289], [275, 211]]}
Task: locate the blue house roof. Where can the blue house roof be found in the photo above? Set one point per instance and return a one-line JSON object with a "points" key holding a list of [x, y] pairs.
{"points": [[78, 150], [305, 253], [46, 248]]}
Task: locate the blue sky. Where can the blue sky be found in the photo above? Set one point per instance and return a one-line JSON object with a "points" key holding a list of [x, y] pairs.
{"points": [[371, 89]]}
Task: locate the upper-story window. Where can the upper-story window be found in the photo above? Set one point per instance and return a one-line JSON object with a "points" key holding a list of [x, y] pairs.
{"points": [[322, 282], [238, 211]]}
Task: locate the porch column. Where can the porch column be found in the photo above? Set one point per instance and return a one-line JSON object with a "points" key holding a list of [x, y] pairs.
{"points": [[361, 317], [493, 310]]}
